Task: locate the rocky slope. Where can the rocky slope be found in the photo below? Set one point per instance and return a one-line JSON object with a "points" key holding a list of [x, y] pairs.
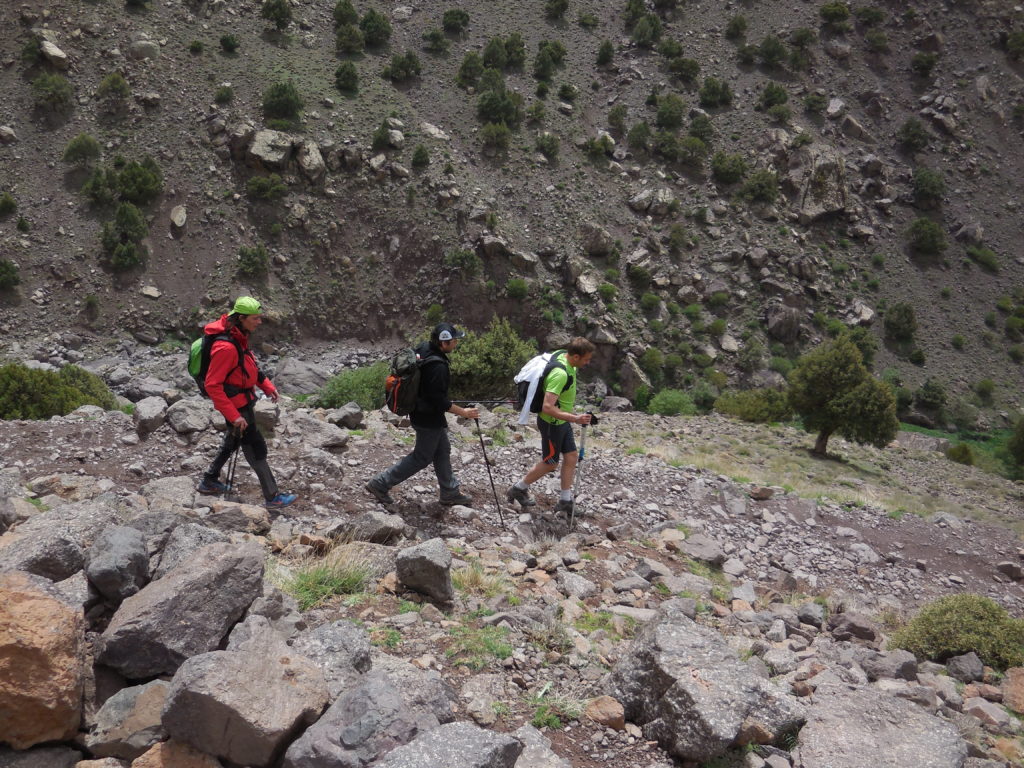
{"points": [[358, 226], [688, 615]]}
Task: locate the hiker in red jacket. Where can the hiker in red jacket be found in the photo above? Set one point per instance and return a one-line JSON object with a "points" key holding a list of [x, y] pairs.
{"points": [[231, 380]]}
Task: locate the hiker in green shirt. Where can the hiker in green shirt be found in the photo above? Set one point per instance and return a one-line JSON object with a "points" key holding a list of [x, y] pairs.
{"points": [[555, 424]]}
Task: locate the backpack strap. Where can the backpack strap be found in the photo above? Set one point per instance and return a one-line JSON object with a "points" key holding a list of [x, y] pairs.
{"points": [[553, 363], [229, 389]]}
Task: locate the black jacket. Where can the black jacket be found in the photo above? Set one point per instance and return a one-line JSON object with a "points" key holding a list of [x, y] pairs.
{"points": [[432, 399]]}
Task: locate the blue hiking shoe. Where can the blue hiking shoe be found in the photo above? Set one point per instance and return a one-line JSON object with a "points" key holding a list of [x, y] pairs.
{"points": [[281, 500], [213, 487]]}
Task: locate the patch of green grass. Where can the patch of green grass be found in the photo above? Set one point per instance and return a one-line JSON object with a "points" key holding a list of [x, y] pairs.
{"points": [[313, 581], [989, 448], [474, 580], [477, 648], [386, 637], [407, 606], [37, 503]]}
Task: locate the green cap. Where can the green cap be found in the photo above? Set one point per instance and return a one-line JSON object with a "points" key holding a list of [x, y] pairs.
{"points": [[246, 305]]}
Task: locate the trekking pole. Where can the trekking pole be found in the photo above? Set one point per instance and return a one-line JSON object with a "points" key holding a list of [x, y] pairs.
{"points": [[579, 467], [231, 466], [490, 477]]}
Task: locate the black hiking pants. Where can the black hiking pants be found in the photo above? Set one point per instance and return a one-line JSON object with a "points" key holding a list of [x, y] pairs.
{"points": [[254, 448]]}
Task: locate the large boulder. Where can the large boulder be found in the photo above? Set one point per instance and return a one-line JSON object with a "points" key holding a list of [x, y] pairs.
{"points": [[191, 414], [244, 706], [426, 568], [341, 649], [183, 542], [457, 745], [366, 723], [53, 543], [300, 377], [311, 162], [823, 191], [185, 613], [118, 563], [373, 526], [537, 752], [42, 658], [317, 433], [174, 754], [853, 729], [128, 723], [425, 692], [783, 323], [42, 757], [149, 414], [691, 692], [270, 150]]}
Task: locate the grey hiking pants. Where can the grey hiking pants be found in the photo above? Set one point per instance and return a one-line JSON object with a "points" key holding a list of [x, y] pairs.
{"points": [[254, 448], [432, 447]]}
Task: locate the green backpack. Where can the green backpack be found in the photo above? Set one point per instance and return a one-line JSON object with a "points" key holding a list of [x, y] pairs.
{"points": [[199, 359]]}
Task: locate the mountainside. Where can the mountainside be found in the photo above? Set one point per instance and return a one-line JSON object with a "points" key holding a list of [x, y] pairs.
{"points": [[637, 248]]}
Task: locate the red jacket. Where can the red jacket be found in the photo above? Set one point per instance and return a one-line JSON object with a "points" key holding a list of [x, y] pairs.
{"points": [[224, 369]]}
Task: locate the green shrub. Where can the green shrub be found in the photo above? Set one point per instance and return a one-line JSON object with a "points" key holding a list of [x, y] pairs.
{"points": [[494, 54], [403, 67], [961, 453], [23, 224], [647, 31], [671, 109], [926, 237], [7, 204], [253, 262], [279, 12], [32, 51], [715, 93], [8, 275], [269, 187], [1015, 447], [420, 157], [555, 9], [380, 139], [756, 405], [736, 27], [516, 288], [901, 322], [376, 28], [605, 53], [835, 15], [499, 106], [772, 94], [762, 186], [923, 63], [463, 260], [1015, 44], [128, 226], [345, 13], [455, 20], [229, 43], [802, 38], [815, 102], [548, 145], [607, 292], [81, 150], [587, 20], [985, 257], [567, 92], [52, 93], [929, 186], [876, 41], [780, 113], [28, 393], [140, 182], [113, 88], [364, 386], [912, 135], [958, 624], [470, 70], [435, 41], [346, 77], [349, 40], [649, 302], [672, 402], [728, 168], [282, 100], [869, 15], [684, 68], [486, 363], [224, 94], [639, 136], [771, 51], [495, 136]]}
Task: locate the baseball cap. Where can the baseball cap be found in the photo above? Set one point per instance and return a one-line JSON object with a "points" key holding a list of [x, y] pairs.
{"points": [[246, 305], [447, 332]]}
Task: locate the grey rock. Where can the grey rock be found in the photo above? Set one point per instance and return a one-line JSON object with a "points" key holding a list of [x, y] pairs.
{"points": [[367, 722], [128, 723], [185, 613], [811, 613], [311, 163], [341, 649], [269, 150], [690, 691], [537, 752], [966, 668], [846, 626], [703, 548], [426, 568], [898, 664], [118, 563], [192, 414], [184, 541], [141, 387], [630, 583], [374, 526], [595, 239], [783, 323], [280, 609], [781, 661], [40, 757], [296, 376], [149, 414], [687, 582], [349, 416], [424, 690], [144, 49], [319, 434], [574, 585], [456, 745], [856, 728], [243, 706], [824, 188]]}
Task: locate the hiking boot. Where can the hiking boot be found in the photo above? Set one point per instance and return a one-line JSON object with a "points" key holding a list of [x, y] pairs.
{"points": [[564, 506], [521, 495], [212, 487], [456, 498], [380, 495], [281, 500]]}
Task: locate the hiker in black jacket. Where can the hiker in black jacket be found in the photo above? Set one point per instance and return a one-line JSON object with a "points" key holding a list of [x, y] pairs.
{"points": [[430, 423]]}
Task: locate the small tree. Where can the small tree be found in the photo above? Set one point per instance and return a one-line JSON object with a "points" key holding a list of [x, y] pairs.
{"points": [[346, 77], [402, 68], [929, 187], [140, 183], [470, 70], [253, 262], [761, 187], [515, 51], [53, 93], [376, 28], [279, 12], [282, 100], [420, 157], [901, 322], [926, 237], [228, 43], [771, 51], [833, 392], [434, 41], [455, 21], [715, 93], [555, 9], [605, 52], [647, 31], [81, 150], [349, 40], [345, 13], [8, 275], [727, 168], [113, 88], [670, 112], [912, 135]]}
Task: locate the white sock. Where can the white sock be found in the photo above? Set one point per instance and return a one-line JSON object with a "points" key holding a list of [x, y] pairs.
{"points": [[522, 486], [566, 495]]}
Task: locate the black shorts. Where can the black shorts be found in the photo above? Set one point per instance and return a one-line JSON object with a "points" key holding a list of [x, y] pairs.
{"points": [[555, 439]]}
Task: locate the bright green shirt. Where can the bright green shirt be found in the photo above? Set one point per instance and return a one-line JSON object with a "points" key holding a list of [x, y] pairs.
{"points": [[554, 383]]}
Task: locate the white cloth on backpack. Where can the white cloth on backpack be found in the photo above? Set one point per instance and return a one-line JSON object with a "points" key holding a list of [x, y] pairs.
{"points": [[531, 371]]}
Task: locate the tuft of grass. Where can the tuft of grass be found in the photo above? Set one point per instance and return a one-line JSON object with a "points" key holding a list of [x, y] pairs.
{"points": [[476, 648], [476, 581], [315, 580], [386, 637]]}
